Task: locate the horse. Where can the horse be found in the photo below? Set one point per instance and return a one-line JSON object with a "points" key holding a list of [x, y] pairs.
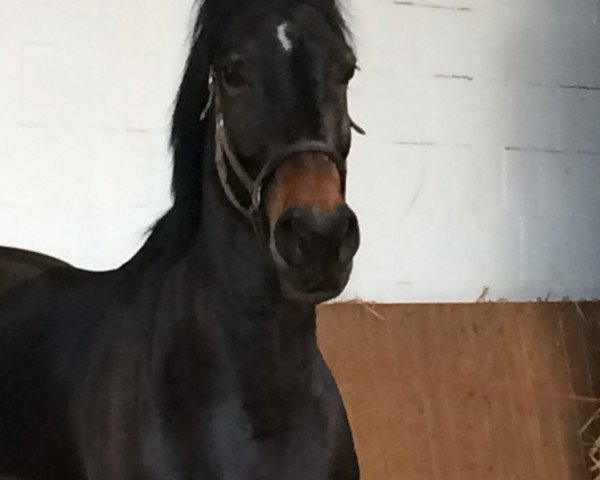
{"points": [[17, 266], [198, 357]]}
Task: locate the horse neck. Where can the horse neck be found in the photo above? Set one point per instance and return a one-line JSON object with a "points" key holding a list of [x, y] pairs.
{"points": [[236, 300], [246, 278]]}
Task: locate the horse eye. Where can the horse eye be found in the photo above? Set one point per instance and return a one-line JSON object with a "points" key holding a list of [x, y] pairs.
{"points": [[232, 76]]}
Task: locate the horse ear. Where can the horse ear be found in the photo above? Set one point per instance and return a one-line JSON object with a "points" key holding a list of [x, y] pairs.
{"points": [[357, 128]]}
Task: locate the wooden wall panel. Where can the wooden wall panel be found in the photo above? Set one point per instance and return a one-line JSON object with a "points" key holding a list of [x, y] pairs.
{"points": [[467, 391]]}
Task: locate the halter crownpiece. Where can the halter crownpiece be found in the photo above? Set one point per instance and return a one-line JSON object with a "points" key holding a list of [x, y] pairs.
{"points": [[225, 157]]}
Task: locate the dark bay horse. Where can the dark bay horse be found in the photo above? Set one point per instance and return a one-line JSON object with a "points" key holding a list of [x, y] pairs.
{"points": [[18, 266], [198, 358]]}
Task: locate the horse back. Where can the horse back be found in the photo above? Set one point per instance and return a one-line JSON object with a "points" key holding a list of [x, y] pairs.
{"points": [[49, 316], [18, 266]]}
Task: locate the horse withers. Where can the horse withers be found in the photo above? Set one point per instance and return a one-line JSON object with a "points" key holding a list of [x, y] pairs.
{"points": [[198, 358]]}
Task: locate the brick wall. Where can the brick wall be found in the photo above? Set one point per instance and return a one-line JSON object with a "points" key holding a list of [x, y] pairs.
{"points": [[86, 88], [481, 165], [482, 160]]}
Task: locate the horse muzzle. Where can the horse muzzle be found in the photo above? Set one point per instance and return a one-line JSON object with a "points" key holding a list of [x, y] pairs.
{"points": [[315, 252], [314, 235]]}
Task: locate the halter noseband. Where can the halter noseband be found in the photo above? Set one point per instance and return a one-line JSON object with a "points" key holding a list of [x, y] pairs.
{"points": [[225, 157]]}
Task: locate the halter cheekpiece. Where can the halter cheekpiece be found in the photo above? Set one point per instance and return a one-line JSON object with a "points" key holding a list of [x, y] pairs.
{"points": [[226, 159]]}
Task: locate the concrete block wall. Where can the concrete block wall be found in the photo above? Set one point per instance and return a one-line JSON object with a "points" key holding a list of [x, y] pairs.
{"points": [[86, 88], [481, 166]]}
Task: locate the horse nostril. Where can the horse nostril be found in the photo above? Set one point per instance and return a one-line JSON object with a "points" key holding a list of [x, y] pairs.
{"points": [[302, 226], [286, 241], [342, 224], [301, 235], [350, 238]]}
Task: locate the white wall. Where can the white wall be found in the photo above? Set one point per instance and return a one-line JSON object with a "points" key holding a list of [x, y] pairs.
{"points": [[481, 165], [86, 88]]}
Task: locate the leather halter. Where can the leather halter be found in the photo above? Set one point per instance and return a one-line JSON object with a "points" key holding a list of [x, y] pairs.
{"points": [[225, 158]]}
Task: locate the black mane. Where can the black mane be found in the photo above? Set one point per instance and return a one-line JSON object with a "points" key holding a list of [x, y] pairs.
{"points": [[174, 231]]}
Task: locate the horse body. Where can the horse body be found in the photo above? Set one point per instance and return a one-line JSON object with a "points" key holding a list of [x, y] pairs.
{"points": [[198, 358], [46, 325], [17, 266], [103, 368]]}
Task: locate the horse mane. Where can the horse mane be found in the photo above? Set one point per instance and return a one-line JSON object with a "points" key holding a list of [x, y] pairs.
{"points": [[176, 229]]}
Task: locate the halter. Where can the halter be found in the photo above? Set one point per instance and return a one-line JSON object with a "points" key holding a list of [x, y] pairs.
{"points": [[225, 157]]}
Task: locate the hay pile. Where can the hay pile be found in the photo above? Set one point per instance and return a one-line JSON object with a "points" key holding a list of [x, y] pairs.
{"points": [[592, 446]]}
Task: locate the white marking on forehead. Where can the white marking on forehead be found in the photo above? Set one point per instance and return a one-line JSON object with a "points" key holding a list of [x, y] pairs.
{"points": [[283, 38]]}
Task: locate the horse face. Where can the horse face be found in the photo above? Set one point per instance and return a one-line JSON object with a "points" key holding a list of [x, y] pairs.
{"points": [[283, 76]]}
